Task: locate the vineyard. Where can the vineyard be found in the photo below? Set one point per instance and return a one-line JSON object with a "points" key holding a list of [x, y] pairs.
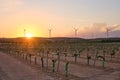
{"points": [[68, 58]]}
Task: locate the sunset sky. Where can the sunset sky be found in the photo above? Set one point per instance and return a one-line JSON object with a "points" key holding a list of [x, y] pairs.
{"points": [[37, 16]]}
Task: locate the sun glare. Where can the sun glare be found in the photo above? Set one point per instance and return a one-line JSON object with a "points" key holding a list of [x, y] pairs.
{"points": [[29, 35]]}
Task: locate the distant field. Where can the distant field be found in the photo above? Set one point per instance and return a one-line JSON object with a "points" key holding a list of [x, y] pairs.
{"points": [[67, 56]]}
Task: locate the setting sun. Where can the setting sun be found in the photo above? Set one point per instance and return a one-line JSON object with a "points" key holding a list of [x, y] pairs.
{"points": [[29, 35]]}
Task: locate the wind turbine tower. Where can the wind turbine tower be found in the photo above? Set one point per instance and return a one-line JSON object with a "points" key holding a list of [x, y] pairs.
{"points": [[107, 32], [24, 32], [111, 29], [76, 30], [50, 31]]}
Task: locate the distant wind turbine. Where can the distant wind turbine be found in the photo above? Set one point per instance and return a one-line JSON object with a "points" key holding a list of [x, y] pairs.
{"points": [[111, 29], [50, 31], [76, 30], [24, 32]]}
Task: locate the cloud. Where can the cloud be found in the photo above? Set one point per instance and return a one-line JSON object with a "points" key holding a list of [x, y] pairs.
{"points": [[115, 33], [98, 30], [9, 5]]}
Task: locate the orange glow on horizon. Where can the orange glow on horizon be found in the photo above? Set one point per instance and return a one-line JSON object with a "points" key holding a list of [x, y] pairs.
{"points": [[29, 35]]}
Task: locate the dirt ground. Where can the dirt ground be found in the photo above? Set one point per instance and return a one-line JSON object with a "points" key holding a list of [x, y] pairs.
{"points": [[19, 69], [12, 69]]}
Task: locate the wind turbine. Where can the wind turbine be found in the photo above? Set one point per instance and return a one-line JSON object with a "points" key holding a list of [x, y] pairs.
{"points": [[50, 31], [107, 32], [76, 30], [111, 29], [24, 32]]}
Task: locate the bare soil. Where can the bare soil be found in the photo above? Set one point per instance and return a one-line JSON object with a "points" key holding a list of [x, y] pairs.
{"points": [[12, 68]]}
